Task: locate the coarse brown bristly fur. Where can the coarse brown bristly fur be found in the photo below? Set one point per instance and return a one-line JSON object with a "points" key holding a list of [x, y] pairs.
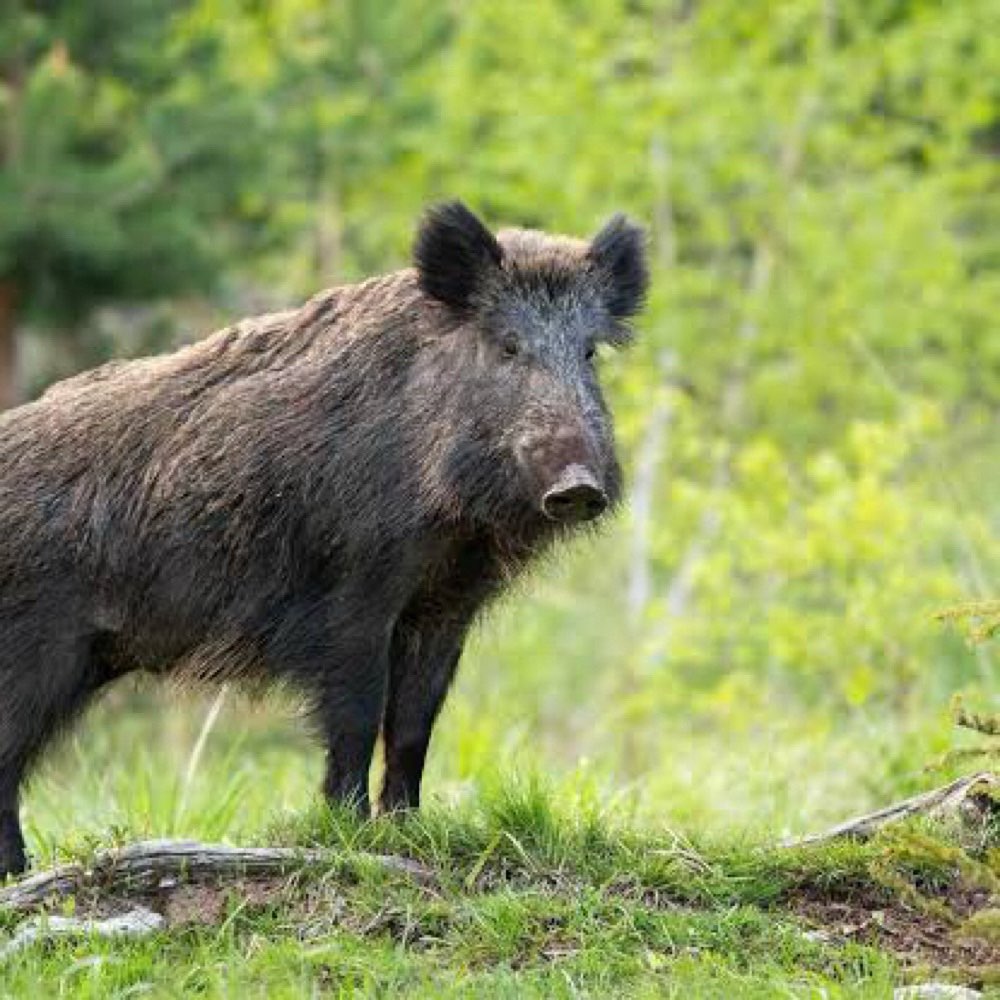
{"points": [[326, 496]]}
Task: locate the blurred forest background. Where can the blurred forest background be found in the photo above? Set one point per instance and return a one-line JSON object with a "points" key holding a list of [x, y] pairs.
{"points": [[809, 417]]}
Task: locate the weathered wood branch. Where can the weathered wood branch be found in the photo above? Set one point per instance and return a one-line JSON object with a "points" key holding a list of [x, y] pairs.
{"points": [[967, 799], [158, 864]]}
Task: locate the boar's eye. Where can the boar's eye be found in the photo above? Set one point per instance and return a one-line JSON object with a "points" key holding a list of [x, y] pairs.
{"points": [[589, 351], [510, 347]]}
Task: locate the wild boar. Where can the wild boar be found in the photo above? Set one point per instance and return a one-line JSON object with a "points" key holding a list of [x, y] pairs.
{"points": [[327, 496]]}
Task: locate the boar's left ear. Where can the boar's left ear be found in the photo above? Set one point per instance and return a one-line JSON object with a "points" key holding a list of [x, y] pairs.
{"points": [[618, 252], [454, 254]]}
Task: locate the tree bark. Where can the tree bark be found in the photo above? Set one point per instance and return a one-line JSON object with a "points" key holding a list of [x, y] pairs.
{"points": [[9, 388]]}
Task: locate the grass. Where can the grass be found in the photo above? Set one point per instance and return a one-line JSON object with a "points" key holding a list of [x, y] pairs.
{"points": [[525, 901], [535, 890]]}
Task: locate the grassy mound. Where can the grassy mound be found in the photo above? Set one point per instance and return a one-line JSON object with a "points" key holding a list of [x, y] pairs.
{"points": [[518, 897]]}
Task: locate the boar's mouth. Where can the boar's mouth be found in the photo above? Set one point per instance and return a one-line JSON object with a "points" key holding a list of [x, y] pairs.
{"points": [[574, 497]]}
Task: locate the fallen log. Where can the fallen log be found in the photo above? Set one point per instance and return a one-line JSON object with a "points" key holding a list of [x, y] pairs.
{"points": [[161, 864], [969, 800]]}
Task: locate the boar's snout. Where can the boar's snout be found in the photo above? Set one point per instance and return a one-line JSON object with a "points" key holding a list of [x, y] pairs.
{"points": [[575, 496], [559, 466]]}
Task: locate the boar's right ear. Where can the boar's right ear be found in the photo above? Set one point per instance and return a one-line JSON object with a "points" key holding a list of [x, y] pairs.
{"points": [[454, 254]]}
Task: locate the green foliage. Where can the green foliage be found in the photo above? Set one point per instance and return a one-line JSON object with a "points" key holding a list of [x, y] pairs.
{"points": [[118, 162], [981, 617], [813, 573]]}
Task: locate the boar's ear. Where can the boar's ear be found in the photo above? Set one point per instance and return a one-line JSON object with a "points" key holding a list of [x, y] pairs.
{"points": [[454, 254], [618, 252]]}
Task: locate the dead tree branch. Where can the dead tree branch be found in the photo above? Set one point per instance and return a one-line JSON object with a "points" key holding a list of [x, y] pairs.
{"points": [[156, 864], [967, 799]]}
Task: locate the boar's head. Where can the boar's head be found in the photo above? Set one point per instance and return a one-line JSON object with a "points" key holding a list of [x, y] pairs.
{"points": [[530, 431]]}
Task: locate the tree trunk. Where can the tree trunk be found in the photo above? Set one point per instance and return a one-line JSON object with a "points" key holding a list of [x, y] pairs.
{"points": [[9, 394]]}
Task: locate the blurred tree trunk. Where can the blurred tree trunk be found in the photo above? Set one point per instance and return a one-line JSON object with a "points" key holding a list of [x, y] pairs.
{"points": [[327, 243], [9, 395], [12, 73], [652, 446], [328, 250]]}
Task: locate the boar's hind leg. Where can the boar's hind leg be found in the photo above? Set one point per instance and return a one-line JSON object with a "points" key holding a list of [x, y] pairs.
{"points": [[422, 664], [13, 860], [42, 689]]}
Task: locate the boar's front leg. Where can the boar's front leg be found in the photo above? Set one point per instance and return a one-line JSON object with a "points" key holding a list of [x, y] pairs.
{"points": [[423, 660], [350, 710], [423, 656], [343, 663]]}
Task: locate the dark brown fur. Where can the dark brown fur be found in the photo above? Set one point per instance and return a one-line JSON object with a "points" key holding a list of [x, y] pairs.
{"points": [[327, 496]]}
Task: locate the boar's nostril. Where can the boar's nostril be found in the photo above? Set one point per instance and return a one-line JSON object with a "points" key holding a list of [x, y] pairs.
{"points": [[574, 497], [577, 503]]}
